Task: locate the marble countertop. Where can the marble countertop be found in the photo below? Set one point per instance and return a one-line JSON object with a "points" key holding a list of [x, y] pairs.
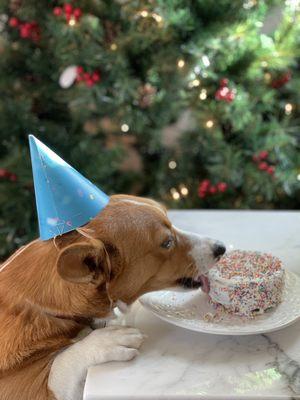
{"points": [[179, 364]]}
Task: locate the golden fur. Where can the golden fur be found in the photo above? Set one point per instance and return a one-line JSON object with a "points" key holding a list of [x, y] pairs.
{"points": [[52, 289]]}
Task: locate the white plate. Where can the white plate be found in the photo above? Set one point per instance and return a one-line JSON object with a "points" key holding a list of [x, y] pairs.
{"points": [[187, 309]]}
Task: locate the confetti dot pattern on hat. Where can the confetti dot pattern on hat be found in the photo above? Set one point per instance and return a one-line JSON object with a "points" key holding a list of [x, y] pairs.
{"points": [[65, 199]]}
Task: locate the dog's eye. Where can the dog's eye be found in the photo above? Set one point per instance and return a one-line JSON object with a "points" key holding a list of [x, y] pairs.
{"points": [[167, 244]]}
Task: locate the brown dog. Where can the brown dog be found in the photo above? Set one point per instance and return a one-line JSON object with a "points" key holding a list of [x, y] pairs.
{"points": [[51, 291]]}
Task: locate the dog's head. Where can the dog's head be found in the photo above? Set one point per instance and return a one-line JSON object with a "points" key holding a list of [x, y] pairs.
{"points": [[133, 248]]}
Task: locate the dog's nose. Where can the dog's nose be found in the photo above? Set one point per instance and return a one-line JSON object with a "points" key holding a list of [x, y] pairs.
{"points": [[218, 249]]}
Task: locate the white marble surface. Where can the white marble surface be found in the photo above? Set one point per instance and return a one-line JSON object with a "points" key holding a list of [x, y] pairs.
{"points": [[179, 364]]}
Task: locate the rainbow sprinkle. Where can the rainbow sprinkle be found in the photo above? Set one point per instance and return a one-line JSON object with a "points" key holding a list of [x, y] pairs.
{"points": [[246, 283]]}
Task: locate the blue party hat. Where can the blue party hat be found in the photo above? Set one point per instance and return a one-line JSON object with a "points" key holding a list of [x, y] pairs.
{"points": [[65, 199]]}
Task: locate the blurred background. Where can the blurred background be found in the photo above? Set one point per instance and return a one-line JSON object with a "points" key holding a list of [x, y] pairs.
{"points": [[192, 102]]}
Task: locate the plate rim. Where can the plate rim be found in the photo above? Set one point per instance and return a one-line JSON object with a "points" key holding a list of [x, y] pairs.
{"points": [[177, 322]]}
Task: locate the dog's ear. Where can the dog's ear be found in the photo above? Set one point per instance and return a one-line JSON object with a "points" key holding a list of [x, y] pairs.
{"points": [[84, 263]]}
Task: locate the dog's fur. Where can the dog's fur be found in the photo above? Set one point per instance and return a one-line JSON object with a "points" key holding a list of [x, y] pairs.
{"points": [[50, 292]]}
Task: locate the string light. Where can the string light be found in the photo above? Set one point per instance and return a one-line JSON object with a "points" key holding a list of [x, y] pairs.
{"points": [[288, 108], [172, 164], [144, 13], [267, 77], [72, 21], [175, 194], [209, 123], [249, 4], [298, 177], [113, 46], [158, 18], [203, 94], [184, 190], [124, 128], [181, 63], [15, 46], [206, 61], [194, 83]]}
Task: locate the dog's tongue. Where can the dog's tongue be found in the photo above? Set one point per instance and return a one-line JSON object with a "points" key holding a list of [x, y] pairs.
{"points": [[205, 283]]}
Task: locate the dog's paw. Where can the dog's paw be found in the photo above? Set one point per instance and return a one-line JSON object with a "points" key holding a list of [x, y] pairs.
{"points": [[114, 343]]}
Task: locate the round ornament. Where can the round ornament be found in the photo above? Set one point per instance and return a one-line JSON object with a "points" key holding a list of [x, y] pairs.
{"points": [[68, 77]]}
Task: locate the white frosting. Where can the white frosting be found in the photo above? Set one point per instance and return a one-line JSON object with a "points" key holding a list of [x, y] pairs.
{"points": [[243, 292]]}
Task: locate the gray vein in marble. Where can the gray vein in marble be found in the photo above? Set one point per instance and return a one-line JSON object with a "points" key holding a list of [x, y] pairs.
{"points": [[288, 367]]}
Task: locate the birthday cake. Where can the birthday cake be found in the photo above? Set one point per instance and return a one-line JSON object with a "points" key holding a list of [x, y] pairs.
{"points": [[246, 283]]}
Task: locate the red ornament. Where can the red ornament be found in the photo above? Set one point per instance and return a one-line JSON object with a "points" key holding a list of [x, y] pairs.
{"points": [[224, 93], [68, 8], [89, 78], [77, 13], [4, 173], [13, 177], [96, 76], [263, 166], [271, 170], [29, 30], [205, 184], [221, 93], [206, 188], [89, 82], [57, 11], [282, 80], [213, 190], [222, 187], [69, 11], [224, 82], [79, 71], [230, 96], [263, 155], [203, 188], [13, 22], [35, 34], [25, 30]]}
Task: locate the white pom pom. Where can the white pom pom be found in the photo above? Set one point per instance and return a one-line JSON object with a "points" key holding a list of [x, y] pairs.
{"points": [[68, 76]]}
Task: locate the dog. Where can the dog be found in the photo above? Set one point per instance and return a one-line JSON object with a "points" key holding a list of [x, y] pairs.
{"points": [[52, 291]]}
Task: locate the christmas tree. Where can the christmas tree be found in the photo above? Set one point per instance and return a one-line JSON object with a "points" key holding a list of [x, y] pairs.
{"points": [[194, 103]]}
